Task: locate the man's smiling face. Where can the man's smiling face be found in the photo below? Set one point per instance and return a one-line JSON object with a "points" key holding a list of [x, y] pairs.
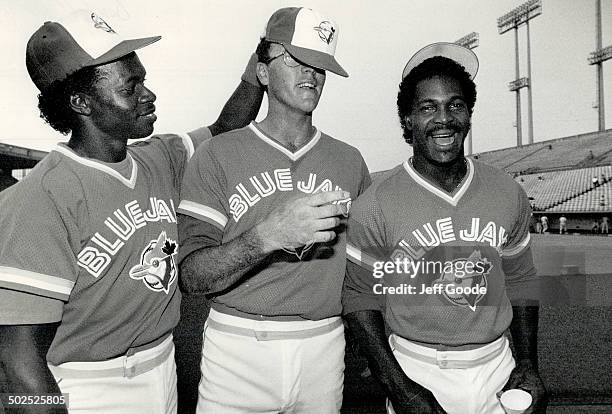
{"points": [[298, 88], [439, 120]]}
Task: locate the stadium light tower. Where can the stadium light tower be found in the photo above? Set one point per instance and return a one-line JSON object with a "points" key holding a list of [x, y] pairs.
{"points": [[512, 20], [597, 58], [470, 41]]}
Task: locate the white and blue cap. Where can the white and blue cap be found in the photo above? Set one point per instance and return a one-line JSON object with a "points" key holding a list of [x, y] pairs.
{"points": [[82, 39], [308, 36], [459, 54]]}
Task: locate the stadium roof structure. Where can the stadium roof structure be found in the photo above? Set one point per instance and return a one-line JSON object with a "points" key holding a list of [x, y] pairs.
{"points": [[577, 151], [565, 175], [13, 157]]}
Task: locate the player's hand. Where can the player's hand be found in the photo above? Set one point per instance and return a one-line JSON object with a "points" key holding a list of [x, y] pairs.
{"points": [[423, 403], [250, 72], [526, 377], [304, 220]]}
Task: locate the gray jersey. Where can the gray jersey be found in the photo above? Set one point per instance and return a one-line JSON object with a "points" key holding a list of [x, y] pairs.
{"points": [[95, 244], [235, 180]]}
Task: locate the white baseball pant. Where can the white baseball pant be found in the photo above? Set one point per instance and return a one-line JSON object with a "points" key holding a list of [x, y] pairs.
{"points": [[461, 381], [262, 366], [142, 383]]}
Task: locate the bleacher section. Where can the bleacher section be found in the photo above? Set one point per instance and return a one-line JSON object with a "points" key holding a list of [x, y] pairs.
{"points": [[596, 201], [570, 191], [578, 151], [558, 174]]}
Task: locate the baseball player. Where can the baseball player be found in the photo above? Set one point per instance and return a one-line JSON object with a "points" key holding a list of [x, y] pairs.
{"points": [[544, 221], [562, 225], [90, 234], [258, 219], [604, 225], [435, 247]]}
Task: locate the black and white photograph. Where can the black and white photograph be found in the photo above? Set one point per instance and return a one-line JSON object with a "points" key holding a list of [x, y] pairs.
{"points": [[316, 207]]}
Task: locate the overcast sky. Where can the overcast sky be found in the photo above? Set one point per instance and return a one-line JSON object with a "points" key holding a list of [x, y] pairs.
{"points": [[206, 44]]}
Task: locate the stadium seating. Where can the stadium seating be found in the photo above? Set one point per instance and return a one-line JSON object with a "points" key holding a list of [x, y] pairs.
{"points": [[576, 151], [571, 191]]}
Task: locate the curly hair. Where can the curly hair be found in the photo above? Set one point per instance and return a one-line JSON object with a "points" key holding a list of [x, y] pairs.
{"points": [[54, 101], [263, 50], [435, 66]]}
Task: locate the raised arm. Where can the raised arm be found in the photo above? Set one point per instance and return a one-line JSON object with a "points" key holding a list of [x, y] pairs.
{"points": [[242, 107], [23, 350]]}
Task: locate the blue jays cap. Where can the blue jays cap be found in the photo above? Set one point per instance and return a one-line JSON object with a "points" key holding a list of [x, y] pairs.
{"points": [[57, 50], [307, 36], [460, 54]]}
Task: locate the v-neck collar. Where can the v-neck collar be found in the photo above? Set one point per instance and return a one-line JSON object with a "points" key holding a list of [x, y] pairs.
{"points": [[294, 156], [102, 167], [452, 198]]}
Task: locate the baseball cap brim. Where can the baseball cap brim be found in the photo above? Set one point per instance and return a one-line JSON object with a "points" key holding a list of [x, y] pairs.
{"points": [[122, 49], [462, 55], [315, 59]]}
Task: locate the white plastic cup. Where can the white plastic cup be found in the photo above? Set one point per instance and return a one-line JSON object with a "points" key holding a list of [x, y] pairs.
{"points": [[515, 401]]}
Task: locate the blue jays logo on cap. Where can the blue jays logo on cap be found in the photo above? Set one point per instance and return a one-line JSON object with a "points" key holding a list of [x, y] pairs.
{"points": [[99, 23], [307, 35], [326, 31]]}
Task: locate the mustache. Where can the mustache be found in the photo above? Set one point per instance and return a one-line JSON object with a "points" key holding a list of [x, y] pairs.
{"points": [[451, 125]]}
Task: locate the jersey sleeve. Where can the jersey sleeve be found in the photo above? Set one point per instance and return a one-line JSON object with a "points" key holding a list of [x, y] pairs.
{"points": [[36, 256], [203, 201], [518, 238], [200, 135], [21, 308], [176, 149], [365, 248], [517, 258], [366, 180], [195, 234]]}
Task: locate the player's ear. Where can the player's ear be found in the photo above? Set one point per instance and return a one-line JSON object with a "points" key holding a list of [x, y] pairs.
{"points": [[80, 103], [408, 122], [262, 73]]}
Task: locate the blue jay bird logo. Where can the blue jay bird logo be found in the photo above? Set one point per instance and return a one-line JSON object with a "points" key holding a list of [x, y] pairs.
{"points": [[157, 268], [326, 31], [466, 279], [99, 23]]}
